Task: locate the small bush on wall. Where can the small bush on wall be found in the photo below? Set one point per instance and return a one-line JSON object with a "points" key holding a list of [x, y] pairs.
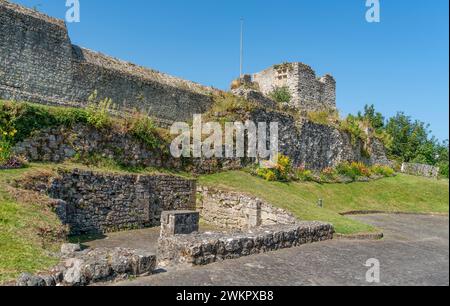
{"points": [[99, 112], [142, 128], [281, 94]]}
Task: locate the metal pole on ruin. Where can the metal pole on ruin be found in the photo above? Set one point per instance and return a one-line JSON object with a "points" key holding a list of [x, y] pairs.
{"points": [[242, 49]]}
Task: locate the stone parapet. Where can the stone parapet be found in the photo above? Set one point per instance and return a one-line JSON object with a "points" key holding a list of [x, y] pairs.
{"points": [[201, 249]]}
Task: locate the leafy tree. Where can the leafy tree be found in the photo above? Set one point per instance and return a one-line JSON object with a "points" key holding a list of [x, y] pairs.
{"points": [[375, 118], [410, 140], [408, 136]]}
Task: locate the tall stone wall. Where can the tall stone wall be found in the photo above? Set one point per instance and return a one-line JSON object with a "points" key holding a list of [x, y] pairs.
{"points": [[308, 92], [104, 202], [38, 63], [35, 56]]}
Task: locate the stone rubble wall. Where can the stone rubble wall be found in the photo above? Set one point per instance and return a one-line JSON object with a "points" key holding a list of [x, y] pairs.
{"points": [[254, 96], [38, 63], [420, 170], [99, 202], [59, 144], [93, 266], [378, 154], [201, 249], [316, 146], [237, 211], [311, 145]]}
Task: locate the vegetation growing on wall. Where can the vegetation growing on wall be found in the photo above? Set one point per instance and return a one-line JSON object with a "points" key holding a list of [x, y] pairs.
{"points": [[19, 121], [324, 117], [228, 108], [98, 113], [282, 66], [281, 94]]}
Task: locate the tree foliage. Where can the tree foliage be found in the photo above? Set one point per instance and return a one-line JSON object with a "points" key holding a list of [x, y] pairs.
{"points": [[410, 140]]}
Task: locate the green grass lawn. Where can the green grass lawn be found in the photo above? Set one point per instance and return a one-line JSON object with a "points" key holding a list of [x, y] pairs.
{"points": [[402, 193], [21, 249]]}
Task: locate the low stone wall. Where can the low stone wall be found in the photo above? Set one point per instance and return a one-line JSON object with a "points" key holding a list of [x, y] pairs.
{"points": [[103, 202], [233, 210], [420, 170], [201, 249], [93, 266]]}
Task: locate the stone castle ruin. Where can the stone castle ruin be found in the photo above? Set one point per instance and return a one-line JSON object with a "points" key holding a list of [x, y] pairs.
{"points": [[308, 92], [39, 63]]}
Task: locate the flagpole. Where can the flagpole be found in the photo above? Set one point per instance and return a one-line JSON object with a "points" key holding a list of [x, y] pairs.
{"points": [[242, 49]]}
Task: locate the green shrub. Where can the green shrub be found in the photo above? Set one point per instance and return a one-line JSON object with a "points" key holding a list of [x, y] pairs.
{"points": [[267, 174], [304, 175], [26, 118], [281, 171], [353, 170], [99, 112], [7, 135], [353, 126], [143, 129], [281, 94], [385, 171], [5, 150], [443, 166], [328, 175]]}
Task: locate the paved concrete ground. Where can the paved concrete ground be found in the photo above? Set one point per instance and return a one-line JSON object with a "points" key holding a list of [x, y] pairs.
{"points": [[415, 251], [144, 239]]}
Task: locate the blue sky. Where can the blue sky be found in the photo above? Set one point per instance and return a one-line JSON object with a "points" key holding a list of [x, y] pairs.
{"points": [[398, 64]]}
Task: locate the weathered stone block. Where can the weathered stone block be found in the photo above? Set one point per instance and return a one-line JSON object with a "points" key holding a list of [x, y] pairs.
{"points": [[179, 223], [92, 266]]}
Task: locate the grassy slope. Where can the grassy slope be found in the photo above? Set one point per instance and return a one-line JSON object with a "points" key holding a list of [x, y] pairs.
{"points": [[20, 247], [398, 194]]}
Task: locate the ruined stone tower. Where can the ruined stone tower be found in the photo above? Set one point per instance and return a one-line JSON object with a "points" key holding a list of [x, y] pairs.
{"points": [[309, 93]]}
